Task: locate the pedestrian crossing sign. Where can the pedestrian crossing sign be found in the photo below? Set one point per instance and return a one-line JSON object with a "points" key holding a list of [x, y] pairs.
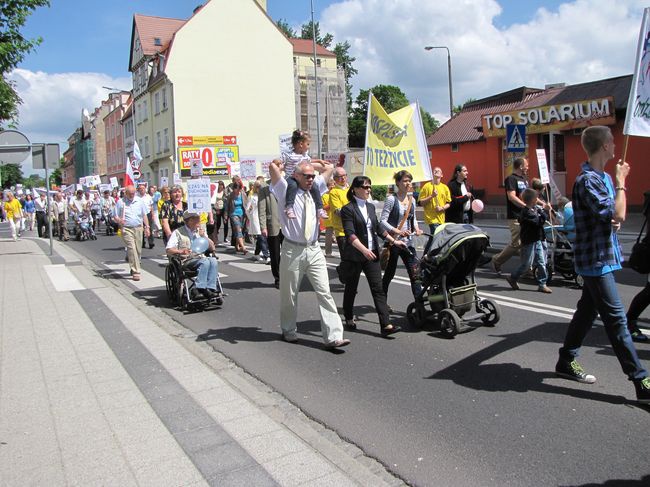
{"points": [[515, 138]]}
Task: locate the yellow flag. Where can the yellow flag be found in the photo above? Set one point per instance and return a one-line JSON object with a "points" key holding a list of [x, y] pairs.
{"points": [[394, 142]]}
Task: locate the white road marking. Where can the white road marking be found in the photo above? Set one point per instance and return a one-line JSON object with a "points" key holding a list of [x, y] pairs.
{"points": [[62, 279], [251, 266]]}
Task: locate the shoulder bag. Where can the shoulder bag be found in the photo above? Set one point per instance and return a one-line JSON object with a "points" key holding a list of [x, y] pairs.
{"points": [[384, 256]]}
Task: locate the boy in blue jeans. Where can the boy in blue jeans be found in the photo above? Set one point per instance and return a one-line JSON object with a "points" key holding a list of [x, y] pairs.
{"points": [[533, 242]]}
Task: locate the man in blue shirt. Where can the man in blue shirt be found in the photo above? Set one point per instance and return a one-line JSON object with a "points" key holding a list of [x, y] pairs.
{"points": [[599, 209]]}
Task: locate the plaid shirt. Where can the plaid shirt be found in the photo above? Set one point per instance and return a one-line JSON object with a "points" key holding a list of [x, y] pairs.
{"points": [[597, 250]]}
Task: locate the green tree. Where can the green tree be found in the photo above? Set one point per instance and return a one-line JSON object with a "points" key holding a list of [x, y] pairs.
{"points": [[56, 177], [13, 49], [288, 31], [11, 174], [344, 60], [391, 98], [457, 109], [34, 181], [306, 32]]}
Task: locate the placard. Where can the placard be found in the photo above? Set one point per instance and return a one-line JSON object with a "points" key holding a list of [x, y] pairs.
{"points": [[543, 166], [177, 178], [198, 195], [164, 181], [114, 183]]}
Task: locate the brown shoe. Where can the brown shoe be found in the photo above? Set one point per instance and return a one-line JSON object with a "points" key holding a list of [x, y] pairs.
{"points": [[343, 342], [545, 289]]}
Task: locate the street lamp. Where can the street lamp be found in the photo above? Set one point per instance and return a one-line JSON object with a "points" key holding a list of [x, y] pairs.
{"points": [[451, 97]]}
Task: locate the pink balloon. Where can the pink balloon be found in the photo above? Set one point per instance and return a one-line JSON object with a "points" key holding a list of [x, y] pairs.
{"points": [[477, 206]]}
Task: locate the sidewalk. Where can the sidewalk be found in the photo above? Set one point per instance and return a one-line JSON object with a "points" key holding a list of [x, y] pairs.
{"points": [[97, 389]]}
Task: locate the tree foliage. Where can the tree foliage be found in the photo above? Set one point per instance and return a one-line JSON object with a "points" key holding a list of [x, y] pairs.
{"points": [[34, 181], [11, 174], [288, 31], [56, 178], [344, 60], [13, 49], [457, 109], [391, 98], [307, 32]]}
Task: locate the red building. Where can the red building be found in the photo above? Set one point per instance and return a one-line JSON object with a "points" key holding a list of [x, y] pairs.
{"points": [[554, 118]]}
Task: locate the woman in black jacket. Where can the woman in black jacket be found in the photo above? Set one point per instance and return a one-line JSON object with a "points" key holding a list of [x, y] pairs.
{"points": [[460, 209], [360, 253]]}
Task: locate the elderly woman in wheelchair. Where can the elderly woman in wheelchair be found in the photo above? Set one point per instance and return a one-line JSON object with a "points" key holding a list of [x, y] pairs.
{"points": [[192, 275]]}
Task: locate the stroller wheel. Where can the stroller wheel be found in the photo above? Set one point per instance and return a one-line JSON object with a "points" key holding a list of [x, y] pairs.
{"points": [[580, 281], [449, 323], [491, 311]]}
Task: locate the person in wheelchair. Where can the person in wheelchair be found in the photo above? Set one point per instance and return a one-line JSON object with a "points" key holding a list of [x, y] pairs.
{"points": [[179, 246]]}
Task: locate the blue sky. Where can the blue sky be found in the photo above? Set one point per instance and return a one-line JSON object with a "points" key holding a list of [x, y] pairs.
{"points": [[94, 35], [496, 45]]}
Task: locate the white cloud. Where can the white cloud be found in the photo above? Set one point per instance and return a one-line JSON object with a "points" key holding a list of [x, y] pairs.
{"points": [[583, 40], [52, 103]]}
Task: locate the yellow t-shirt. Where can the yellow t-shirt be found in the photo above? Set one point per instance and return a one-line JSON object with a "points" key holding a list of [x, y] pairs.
{"points": [[431, 215], [338, 199], [13, 209], [326, 201]]}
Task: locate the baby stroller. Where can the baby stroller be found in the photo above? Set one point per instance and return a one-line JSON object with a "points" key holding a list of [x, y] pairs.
{"points": [[560, 256], [448, 285]]}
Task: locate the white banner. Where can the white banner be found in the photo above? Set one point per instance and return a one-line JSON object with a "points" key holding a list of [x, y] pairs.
{"points": [[543, 166], [637, 117], [164, 181], [114, 183]]}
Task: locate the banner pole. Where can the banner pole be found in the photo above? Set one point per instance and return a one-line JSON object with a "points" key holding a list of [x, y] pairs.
{"points": [[627, 138]]}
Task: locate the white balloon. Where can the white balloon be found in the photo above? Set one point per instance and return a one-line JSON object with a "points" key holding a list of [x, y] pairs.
{"points": [[477, 206]]}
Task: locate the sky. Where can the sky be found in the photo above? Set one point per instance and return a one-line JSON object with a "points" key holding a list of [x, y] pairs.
{"points": [[495, 46]]}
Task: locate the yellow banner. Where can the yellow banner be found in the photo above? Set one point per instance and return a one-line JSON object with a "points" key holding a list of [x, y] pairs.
{"points": [[395, 142]]}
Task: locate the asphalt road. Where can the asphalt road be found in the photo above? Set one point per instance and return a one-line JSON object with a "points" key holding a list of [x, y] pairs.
{"points": [[484, 408]]}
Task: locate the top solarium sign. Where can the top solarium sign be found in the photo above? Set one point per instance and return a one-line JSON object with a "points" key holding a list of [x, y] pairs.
{"points": [[550, 118]]}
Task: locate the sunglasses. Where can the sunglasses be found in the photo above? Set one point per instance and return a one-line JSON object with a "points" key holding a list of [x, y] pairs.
{"points": [[366, 186], [308, 176]]}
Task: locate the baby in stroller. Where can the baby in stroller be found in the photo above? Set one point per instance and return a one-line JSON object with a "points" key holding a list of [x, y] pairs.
{"points": [[85, 226]]}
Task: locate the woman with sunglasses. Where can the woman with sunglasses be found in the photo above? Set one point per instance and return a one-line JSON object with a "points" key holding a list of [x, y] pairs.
{"points": [[360, 253]]}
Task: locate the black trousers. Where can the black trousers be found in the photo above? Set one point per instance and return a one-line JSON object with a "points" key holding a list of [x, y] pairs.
{"points": [[340, 242], [372, 270], [42, 224], [274, 252], [149, 239], [637, 306]]}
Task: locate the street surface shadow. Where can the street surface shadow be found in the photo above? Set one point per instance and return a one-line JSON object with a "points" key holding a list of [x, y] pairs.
{"points": [[241, 285], [473, 373], [237, 334], [642, 482]]}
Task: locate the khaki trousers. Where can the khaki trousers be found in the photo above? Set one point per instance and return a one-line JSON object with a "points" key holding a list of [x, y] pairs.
{"points": [[513, 247], [132, 237], [297, 261]]}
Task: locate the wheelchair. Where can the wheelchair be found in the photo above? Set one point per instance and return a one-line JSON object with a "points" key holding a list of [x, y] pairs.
{"points": [[180, 281]]}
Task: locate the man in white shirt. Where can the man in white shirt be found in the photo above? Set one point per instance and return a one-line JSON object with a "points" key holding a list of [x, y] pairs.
{"points": [[42, 222], [148, 203], [301, 254], [131, 215]]}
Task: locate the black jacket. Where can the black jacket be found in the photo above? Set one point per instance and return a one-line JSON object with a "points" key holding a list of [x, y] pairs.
{"points": [[355, 224], [454, 213], [532, 224]]}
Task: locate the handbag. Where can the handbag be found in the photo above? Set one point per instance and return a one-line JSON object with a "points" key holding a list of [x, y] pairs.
{"points": [[384, 256], [640, 257]]}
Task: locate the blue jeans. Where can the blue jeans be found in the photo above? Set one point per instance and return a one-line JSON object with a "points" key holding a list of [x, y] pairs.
{"points": [[207, 275], [533, 254], [600, 296], [432, 229], [262, 246]]}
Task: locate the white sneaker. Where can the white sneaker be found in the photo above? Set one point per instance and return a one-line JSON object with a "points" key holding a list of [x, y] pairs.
{"points": [[268, 260]]}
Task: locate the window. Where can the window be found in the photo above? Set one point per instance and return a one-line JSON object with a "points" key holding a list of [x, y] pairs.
{"points": [[156, 99], [454, 147], [318, 62], [145, 111], [166, 132], [158, 143], [146, 146], [164, 98], [157, 41]]}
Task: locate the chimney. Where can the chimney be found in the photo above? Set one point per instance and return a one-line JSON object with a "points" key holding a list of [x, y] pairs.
{"points": [[196, 9]]}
